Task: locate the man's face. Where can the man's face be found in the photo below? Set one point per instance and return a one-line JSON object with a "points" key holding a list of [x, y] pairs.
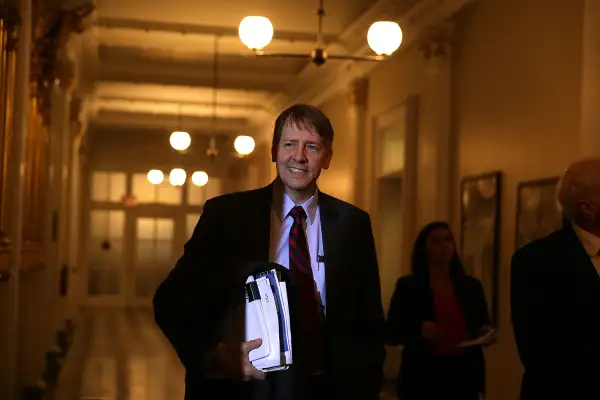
{"points": [[299, 158]]}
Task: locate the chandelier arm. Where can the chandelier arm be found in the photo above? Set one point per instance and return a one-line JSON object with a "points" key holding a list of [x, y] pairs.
{"points": [[355, 58], [282, 55]]}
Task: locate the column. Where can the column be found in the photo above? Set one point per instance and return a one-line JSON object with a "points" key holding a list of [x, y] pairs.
{"points": [[52, 236], [58, 164], [409, 201], [356, 103], [589, 138], [66, 82], [75, 216], [437, 147], [15, 200]]}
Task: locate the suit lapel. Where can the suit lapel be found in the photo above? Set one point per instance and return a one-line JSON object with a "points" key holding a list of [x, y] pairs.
{"points": [[329, 227], [260, 224]]}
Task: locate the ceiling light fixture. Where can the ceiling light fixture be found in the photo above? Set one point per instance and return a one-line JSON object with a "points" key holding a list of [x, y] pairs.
{"points": [[155, 176], [180, 140], [199, 178], [244, 145], [177, 177], [383, 37]]}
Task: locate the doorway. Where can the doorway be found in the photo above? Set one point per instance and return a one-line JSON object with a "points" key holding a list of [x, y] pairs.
{"points": [[131, 251], [135, 233], [154, 245], [389, 234]]}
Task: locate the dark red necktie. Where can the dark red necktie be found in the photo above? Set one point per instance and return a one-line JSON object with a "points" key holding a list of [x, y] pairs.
{"points": [[309, 347]]}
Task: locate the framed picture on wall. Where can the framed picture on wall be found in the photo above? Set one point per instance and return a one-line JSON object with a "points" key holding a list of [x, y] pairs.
{"points": [[480, 231], [538, 210]]}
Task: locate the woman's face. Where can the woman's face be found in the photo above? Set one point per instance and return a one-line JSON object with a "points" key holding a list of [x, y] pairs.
{"points": [[440, 246]]}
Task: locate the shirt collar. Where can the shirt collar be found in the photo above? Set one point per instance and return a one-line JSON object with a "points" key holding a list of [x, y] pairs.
{"points": [[283, 204], [590, 242]]}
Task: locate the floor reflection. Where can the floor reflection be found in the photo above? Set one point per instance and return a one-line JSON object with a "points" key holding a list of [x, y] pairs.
{"points": [[119, 354]]}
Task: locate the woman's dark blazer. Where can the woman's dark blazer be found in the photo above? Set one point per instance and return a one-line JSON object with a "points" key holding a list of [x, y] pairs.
{"points": [[411, 305]]}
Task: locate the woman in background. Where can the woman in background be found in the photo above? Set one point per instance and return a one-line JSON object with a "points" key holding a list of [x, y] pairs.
{"points": [[432, 312]]}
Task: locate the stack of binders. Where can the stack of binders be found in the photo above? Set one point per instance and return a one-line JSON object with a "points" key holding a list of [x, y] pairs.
{"points": [[268, 318]]}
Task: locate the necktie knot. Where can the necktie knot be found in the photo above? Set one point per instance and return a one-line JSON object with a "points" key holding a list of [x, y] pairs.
{"points": [[298, 213]]}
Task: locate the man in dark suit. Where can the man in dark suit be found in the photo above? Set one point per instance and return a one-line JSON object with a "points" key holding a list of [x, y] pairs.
{"points": [[555, 296], [327, 245]]}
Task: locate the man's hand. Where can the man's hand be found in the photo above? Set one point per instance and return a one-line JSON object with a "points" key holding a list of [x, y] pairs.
{"points": [[232, 360], [431, 332]]}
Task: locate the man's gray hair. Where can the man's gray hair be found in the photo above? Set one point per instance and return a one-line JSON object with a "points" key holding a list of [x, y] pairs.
{"points": [[580, 182]]}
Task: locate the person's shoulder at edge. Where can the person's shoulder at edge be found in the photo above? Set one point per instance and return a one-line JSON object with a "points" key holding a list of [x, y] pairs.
{"points": [[538, 254], [544, 245], [241, 197], [345, 208]]}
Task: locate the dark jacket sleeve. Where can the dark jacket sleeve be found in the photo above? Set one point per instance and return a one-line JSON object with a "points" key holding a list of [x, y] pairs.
{"points": [[373, 330], [540, 341], [482, 312], [524, 306], [403, 323], [188, 309]]}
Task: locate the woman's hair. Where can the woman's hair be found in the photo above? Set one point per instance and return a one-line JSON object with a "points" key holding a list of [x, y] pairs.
{"points": [[420, 262]]}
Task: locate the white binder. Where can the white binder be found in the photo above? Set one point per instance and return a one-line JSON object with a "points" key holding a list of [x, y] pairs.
{"points": [[268, 318]]}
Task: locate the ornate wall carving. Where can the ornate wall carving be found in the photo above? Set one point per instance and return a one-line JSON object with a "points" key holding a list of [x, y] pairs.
{"points": [[10, 23], [51, 29]]}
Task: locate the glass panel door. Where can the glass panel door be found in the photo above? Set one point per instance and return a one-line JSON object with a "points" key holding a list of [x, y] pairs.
{"points": [[105, 257], [154, 256]]}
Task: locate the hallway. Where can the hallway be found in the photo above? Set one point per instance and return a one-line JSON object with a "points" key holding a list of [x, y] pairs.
{"points": [[119, 354], [119, 121]]}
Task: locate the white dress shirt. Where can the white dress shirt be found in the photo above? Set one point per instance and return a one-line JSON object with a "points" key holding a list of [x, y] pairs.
{"points": [[591, 244], [281, 223]]}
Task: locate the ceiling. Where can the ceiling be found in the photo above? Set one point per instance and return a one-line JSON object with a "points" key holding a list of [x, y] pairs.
{"points": [[156, 61]]}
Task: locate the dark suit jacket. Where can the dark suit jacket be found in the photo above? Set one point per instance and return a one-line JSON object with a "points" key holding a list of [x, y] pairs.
{"points": [[555, 302], [411, 305], [193, 304]]}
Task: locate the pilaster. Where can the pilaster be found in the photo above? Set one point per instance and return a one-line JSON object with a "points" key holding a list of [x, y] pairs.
{"points": [[356, 106]]}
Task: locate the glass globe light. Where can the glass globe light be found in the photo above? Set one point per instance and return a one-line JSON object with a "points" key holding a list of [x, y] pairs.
{"points": [[177, 177], [180, 140], [244, 145], [155, 176], [255, 32], [384, 37], [200, 178]]}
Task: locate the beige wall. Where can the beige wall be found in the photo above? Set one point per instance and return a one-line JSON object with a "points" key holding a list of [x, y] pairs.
{"points": [[337, 180], [516, 72]]}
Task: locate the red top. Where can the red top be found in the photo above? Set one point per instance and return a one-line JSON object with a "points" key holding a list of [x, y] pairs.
{"points": [[451, 321]]}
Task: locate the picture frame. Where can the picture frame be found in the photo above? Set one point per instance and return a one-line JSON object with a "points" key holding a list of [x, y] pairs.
{"points": [[538, 211], [480, 232]]}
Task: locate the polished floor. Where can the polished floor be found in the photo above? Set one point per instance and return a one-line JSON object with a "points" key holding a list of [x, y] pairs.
{"points": [[119, 354]]}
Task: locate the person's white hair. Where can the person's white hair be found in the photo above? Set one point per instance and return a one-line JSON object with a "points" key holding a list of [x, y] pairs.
{"points": [[579, 183]]}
